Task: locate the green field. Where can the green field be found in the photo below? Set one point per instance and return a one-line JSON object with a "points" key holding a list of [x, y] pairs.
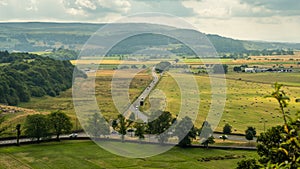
{"points": [[86, 154], [245, 102]]}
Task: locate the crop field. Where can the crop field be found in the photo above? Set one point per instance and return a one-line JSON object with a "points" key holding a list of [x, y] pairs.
{"points": [[86, 154], [245, 102]]}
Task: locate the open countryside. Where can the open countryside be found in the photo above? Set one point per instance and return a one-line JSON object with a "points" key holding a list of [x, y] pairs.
{"points": [[36, 92]]}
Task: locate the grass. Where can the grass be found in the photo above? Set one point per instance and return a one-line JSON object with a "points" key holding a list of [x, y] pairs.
{"points": [[103, 79], [86, 154], [245, 102]]}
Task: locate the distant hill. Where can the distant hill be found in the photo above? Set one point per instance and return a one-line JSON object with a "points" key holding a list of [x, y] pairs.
{"points": [[35, 36]]}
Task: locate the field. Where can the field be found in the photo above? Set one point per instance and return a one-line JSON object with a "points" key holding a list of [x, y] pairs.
{"points": [[245, 102], [86, 154]]}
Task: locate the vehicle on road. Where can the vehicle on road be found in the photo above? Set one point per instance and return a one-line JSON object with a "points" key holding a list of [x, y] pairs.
{"points": [[73, 135]]}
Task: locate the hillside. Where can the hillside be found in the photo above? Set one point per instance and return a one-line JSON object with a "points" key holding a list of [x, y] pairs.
{"points": [[24, 75], [36, 36]]}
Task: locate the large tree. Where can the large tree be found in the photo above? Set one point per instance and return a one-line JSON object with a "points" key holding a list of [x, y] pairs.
{"points": [[37, 126], [227, 129], [185, 131], [140, 129], [160, 125], [122, 124], [60, 123], [97, 126]]}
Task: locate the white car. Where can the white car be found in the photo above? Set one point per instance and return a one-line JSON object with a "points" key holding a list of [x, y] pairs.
{"points": [[225, 136], [73, 135]]}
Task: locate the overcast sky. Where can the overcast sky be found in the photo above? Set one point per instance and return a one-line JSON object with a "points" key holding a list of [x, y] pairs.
{"points": [[268, 20]]}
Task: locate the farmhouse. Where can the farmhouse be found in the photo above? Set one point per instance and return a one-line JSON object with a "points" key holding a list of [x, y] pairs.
{"points": [[250, 70]]}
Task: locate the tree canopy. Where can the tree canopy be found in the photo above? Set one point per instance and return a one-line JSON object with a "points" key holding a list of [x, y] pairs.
{"points": [[26, 75]]}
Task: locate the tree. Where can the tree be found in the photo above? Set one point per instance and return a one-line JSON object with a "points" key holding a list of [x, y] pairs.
{"points": [[227, 129], [185, 131], [220, 69], [249, 135], [37, 126], [97, 126], [18, 128], [160, 125], [60, 123], [248, 164], [162, 66], [252, 129], [122, 125], [237, 68], [281, 98], [140, 130], [114, 124], [209, 140]]}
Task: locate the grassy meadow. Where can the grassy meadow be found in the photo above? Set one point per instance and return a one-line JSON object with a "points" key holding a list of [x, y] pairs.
{"points": [[245, 102], [86, 154]]}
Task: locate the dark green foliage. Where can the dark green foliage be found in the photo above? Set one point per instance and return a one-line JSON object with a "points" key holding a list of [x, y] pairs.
{"points": [[160, 125], [185, 131], [162, 66], [251, 129], [18, 128], [60, 123], [29, 75], [249, 135], [62, 54], [122, 125], [227, 129], [97, 126], [248, 164], [209, 140], [37, 126], [280, 145], [220, 69], [140, 130]]}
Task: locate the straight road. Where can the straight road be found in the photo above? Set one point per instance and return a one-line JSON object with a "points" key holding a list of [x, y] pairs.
{"points": [[134, 107]]}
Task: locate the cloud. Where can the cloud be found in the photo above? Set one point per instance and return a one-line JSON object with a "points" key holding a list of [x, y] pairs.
{"points": [[279, 7], [118, 5], [3, 3], [241, 19], [86, 4], [226, 9], [32, 5]]}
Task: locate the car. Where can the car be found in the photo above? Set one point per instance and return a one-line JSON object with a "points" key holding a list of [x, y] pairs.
{"points": [[73, 135], [223, 137], [114, 133]]}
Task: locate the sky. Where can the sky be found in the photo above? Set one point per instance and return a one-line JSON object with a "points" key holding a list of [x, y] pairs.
{"points": [[264, 20]]}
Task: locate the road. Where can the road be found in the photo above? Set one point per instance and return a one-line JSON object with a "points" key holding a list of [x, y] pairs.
{"points": [[134, 107]]}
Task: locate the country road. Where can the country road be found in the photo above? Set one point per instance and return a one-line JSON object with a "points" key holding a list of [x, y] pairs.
{"points": [[134, 107]]}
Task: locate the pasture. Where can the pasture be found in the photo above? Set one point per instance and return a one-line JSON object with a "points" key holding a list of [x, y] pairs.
{"points": [[86, 154], [245, 102]]}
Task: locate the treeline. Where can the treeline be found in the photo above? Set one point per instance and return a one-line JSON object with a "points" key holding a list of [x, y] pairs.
{"points": [[24, 75], [62, 54]]}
